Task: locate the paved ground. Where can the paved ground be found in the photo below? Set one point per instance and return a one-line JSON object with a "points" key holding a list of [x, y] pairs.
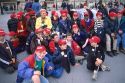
{"points": [[78, 74]]}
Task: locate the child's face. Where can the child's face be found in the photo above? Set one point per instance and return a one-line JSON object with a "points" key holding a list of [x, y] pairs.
{"points": [[39, 35], [75, 17], [41, 55], [2, 38], [93, 44], [75, 30], [69, 38], [99, 17], [56, 38], [63, 47], [64, 17]]}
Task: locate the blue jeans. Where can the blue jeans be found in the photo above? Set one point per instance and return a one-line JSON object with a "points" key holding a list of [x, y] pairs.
{"points": [[121, 38], [42, 80]]}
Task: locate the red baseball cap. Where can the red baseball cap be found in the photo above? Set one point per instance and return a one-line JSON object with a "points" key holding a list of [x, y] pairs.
{"points": [[86, 14], [2, 33], [13, 15], [40, 48], [62, 42], [74, 26], [39, 30], [99, 14], [12, 33], [94, 39], [47, 30], [112, 14]]}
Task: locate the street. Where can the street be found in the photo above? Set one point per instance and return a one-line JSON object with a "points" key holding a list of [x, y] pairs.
{"points": [[79, 74]]}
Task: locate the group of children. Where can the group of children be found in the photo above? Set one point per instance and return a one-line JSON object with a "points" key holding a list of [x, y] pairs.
{"points": [[56, 43]]}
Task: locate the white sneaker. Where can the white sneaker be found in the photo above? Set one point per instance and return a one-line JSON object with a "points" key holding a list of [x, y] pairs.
{"points": [[105, 68], [94, 77]]}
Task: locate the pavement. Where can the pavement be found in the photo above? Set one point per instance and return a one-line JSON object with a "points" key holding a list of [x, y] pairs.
{"points": [[79, 74]]}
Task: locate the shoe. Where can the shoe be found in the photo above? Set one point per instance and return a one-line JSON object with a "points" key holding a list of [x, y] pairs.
{"points": [[122, 51], [81, 61], [94, 77], [105, 68], [115, 52], [9, 70], [109, 53]]}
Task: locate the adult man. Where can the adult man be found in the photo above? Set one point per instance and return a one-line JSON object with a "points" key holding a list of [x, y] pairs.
{"points": [[43, 21]]}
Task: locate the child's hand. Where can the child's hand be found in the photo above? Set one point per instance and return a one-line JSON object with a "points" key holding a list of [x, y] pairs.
{"points": [[77, 64], [50, 68], [37, 73]]}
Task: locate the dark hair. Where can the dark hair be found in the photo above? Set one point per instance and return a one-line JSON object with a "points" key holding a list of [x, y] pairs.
{"points": [[68, 34], [36, 0], [53, 35]]}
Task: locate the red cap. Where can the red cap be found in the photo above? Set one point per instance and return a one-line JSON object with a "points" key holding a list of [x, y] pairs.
{"points": [[40, 48], [2, 33], [75, 14], [32, 13], [39, 30], [13, 15], [74, 26], [56, 14], [12, 33], [53, 12], [19, 14], [112, 14], [86, 14], [99, 14], [62, 42], [63, 11], [94, 39], [64, 14], [47, 31]]}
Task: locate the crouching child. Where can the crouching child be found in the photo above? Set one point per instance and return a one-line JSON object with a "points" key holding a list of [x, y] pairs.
{"points": [[96, 57]]}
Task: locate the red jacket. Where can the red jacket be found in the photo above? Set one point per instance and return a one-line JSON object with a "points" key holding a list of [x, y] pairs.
{"points": [[21, 30], [89, 27], [15, 42], [52, 46], [76, 48]]}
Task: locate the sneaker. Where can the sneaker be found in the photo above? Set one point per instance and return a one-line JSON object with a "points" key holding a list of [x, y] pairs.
{"points": [[109, 53], [115, 52], [105, 68], [94, 77]]}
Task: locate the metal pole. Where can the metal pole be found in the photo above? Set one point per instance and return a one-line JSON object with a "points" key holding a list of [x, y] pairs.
{"points": [[74, 3], [56, 4]]}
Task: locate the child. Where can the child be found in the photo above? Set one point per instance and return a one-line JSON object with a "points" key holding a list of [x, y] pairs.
{"points": [[63, 56], [96, 57], [75, 48]]}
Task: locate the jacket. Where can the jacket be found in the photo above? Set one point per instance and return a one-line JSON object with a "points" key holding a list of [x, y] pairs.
{"points": [[12, 24], [46, 23], [5, 57]]}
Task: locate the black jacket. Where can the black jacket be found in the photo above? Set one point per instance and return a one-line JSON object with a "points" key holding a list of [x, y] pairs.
{"points": [[61, 61], [12, 24], [4, 56], [95, 53]]}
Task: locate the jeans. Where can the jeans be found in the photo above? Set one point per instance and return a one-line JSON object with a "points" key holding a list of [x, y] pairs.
{"points": [[121, 38]]}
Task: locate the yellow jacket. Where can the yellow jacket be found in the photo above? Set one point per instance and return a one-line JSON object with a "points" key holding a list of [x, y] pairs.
{"points": [[47, 22]]}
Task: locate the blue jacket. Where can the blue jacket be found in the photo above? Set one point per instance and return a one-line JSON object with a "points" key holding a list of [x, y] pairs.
{"points": [[122, 24], [65, 26], [58, 57], [27, 67], [110, 26]]}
